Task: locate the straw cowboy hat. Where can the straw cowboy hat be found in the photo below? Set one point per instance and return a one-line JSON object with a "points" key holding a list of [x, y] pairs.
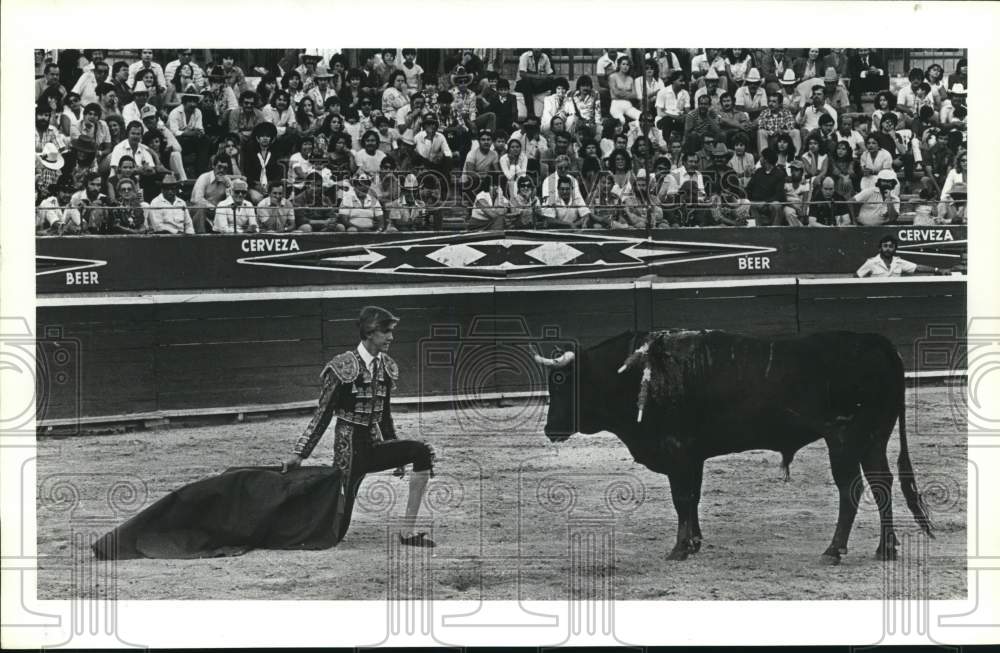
{"points": [[789, 78], [411, 182], [830, 76], [753, 77], [460, 75], [50, 157]]}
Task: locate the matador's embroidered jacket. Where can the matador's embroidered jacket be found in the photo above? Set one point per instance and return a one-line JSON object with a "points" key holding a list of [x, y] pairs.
{"points": [[360, 401]]}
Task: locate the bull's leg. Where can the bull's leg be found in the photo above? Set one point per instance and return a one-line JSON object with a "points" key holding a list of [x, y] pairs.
{"points": [[846, 474], [696, 493], [685, 489], [879, 476]]}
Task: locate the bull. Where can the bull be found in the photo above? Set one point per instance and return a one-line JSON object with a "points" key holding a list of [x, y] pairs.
{"points": [[677, 398]]}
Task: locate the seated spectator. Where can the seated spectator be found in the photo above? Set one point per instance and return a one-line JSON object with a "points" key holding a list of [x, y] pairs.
{"points": [[843, 169], [797, 194], [742, 162], [408, 212], [621, 85], [535, 145], [120, 82], [562, 146], [395, 96], [649, 85], [481, 162], [260, 163], [92, 205], [885, 103], [244, 120], [513, 165], [235, 78], [809, 115], [790, 98], [887, 264], [774, 121], [369, 157], [809, 66], [144, 64], [72, 114], [565, 209], [901, 146], [834, 92], [605, 205], [209, 190], [168, 213], [139, 107], [490, 210], [236, 214], [646, 126], [464, 104], [561, 171], [312, 205], [815, 161], [48, 169], [639, 208], [534, 78], [879, 203], [731, 120], [360, 209], [847, 133], [525, 210], [46, 132], [584, 108], [323, 90], [86, 86], [954, 210], [412, 71], [672, 104], [906, 98], [431, 147], [186, 124], [280, 114], [786, 150], [95, 129], [306, 117], [132, 147], [54, 216], [766, 190], [953, 109], [185, 58], [957, 175], [868, 74], [827, 207], [711, 89], [129, 217], [80, 161], [554, 104], [701, 121], [274, 212], [719, 177], [825, 134], [388, 136], [751, 98]]}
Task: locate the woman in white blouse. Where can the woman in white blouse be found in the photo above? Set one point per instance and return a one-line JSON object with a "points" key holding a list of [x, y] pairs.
{"points": [[873, 159], [737, 64], [514, 165]]}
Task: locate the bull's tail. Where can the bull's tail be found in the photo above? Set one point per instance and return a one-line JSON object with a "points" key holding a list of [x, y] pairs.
{"points": [[907, 478]]}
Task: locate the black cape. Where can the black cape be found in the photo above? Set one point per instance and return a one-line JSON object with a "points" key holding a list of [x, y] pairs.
{"points": [[236, 511]]}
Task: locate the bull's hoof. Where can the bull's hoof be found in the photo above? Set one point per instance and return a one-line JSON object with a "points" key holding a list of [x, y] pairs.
{"points": [[695, 545], [678, 554], [886, 555], [830, 559]]}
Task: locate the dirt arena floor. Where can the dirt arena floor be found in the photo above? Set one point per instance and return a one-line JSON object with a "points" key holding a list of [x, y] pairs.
{"points": [[516, 516]]}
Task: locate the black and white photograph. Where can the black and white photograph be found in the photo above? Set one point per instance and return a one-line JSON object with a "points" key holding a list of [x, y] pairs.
{"points": [[672, 327]]}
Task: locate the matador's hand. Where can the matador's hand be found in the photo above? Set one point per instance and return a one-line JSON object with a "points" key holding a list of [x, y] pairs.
{"points": [[291, 463]]}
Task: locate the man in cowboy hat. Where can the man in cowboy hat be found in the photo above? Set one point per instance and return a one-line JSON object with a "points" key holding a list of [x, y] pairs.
{"points": [[792, 100], [80, 160], [137, 108], [307, 69], [836, 94], [751, 97], [357, 388], [956, 100], [54, 215], [359, 207], [719, 176], [407, 212], [879, 204], [322, 90], [168, 214], [711, 89], [431, 146], [48, 167], [464, 103]]}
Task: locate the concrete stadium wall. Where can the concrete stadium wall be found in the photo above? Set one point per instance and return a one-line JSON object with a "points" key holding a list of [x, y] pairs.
{"points": [[165, 355]]}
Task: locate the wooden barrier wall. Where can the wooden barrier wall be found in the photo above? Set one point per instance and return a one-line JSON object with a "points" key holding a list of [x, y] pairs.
{"points": [[174, 354]]}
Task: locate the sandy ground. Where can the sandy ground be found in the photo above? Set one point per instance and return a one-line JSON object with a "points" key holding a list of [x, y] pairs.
{"points": [[515, 516]]}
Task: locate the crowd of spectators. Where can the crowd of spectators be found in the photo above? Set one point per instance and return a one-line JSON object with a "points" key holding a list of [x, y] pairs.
{"points": [[696, 138]]}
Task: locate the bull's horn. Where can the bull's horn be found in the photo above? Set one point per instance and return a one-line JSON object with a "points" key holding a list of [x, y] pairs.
{"points": [[565, 359]]}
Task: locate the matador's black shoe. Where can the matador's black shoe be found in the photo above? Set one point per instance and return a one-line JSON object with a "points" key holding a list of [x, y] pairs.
{"points": [[419, 539]]}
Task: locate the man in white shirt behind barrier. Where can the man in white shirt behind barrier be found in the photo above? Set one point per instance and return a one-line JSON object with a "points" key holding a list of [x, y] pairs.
{"points": [[887, 264]]}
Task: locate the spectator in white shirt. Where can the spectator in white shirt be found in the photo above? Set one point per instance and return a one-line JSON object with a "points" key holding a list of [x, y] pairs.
{"points": [[132, 146], [185, 123], [147, 63], [808, 118], [565, 209], [711, 89], [168, 213], [514, 165], [274, 212], [359, 207], [432, 147], [236, 214], [87, 85], [184, 58], [672, 104], [887, 264], [555, 104]]}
